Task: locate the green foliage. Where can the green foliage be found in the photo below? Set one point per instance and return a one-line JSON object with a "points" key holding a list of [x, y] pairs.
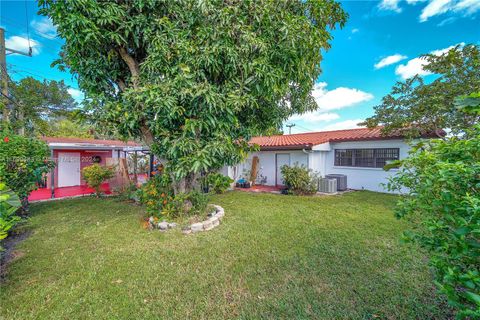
{"points": [[23, 162], [195, 79], [9, 204], [299, 180], [96, 174], [67, 128], [218, 182], [39, 104], [156, 194], [127, 192], [442, 179], [160, 201], [416, 106]]}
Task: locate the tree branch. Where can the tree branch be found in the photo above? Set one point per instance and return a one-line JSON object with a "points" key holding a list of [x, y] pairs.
{"points": [[132, 65]]}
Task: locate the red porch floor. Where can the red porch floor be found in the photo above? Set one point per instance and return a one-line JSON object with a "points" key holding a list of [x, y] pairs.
{"points": [[46, 193], [262, 188]]}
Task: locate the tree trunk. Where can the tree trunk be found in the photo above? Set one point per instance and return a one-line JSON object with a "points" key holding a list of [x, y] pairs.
{"points": [[21, 120], [184, 185]]}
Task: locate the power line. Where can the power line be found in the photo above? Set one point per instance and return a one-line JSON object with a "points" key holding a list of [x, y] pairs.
{"points": [[302, 127], [17, 70], [38, 32], [28, 31]]}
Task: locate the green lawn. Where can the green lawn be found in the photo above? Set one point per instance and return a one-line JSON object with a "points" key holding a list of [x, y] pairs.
{"points": [[272, 257]]}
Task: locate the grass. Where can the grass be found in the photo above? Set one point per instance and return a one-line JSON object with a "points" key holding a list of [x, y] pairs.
{"points": [[273, 256]]}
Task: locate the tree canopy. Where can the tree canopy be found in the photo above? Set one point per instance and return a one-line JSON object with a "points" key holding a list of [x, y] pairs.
{"points": [[414, 105], [195, 79], [38, 104]]}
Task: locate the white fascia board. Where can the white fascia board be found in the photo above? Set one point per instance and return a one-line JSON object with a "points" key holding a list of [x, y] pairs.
{"points": [[81, 146], [322, 147]]}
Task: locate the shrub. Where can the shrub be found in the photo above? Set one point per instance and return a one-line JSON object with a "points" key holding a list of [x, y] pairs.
{"points": [[95, 175], [299, 180], [126, 192], [441, 179], [218, 182], [9, 204], [155, 194], [158, 197], [23, 162]]}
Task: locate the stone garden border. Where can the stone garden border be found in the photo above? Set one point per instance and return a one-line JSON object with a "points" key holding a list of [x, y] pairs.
{"points": [[213, 221]]}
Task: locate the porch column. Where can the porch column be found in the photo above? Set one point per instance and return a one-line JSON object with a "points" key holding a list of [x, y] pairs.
{"points": [[150, 165], [135, 176], [52, 182]]}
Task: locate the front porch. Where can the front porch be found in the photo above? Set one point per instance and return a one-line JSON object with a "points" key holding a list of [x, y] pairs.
{"points": [[65, 192]]}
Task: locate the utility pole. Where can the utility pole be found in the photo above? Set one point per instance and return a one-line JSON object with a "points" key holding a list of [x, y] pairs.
{"points": [[4, 77], [290, 127]]}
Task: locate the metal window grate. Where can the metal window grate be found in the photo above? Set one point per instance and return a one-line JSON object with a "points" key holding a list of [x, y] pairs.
{"points": [[366, 158]]}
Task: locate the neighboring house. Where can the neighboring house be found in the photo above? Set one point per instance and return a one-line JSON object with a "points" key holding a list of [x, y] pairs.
{"points": [[360, 154], [71, 155]]}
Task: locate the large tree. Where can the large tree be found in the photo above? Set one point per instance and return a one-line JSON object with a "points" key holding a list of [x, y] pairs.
{"points": [[415, 105], [195, 78], [36, 104]]}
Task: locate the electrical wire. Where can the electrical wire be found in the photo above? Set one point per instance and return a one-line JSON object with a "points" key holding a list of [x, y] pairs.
{"points": [[38, 32], [17, 70], [28, 30], [302, 127]]}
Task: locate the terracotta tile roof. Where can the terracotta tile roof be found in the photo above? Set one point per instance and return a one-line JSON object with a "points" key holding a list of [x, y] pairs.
{"points": [[308, 140], [88, 141]]}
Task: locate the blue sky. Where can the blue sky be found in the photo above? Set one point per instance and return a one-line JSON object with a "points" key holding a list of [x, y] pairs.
{"points": [[379, 45]]}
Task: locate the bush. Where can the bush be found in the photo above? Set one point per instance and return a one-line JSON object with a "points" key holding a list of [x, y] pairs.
{"points": [[95, 175], [218, 182], [299, 180], [155, 194], [9, 204], [442, 183], [23, 162]]}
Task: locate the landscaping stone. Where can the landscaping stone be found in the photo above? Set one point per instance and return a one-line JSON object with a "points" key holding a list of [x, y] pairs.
{"points": [[207, 225], [220, 214], [163, 226], [215, 221], [212, 221], [197, 227]]}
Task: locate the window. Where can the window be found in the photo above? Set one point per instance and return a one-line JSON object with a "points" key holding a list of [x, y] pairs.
{"points": [[366, 158]]}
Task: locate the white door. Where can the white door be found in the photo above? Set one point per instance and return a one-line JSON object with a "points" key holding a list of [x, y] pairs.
{"points": [[281, 160], [68, 169]]}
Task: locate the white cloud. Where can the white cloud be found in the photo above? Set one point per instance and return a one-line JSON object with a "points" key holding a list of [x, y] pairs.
{"points": [[390, 5], [444, 22], [439, 7], [315, 116], [415, 66], [45, 27], [21, 44], [389, 60], [76, 94], [337, 98], [355, 30], [347, 124], [414, 2]]}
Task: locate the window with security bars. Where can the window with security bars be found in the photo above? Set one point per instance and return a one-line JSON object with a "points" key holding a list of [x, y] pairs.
{"points": [[366, 158]]}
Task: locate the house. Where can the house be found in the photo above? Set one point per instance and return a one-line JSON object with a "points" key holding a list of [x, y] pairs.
{"points": [[71, 155], [360, 154]]}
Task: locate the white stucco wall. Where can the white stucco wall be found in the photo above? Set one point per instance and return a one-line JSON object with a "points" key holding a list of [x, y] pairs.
{"points": [[267, 164], [322, 161], [364, 178]]}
